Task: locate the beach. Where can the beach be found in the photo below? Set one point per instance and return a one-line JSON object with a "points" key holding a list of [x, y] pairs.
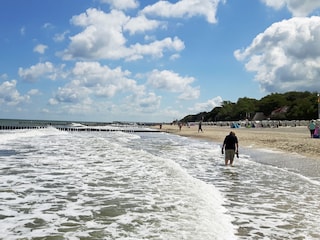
{"points": [[286, 139]]}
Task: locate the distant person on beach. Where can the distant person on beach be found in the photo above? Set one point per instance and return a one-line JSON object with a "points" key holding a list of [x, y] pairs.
{"points": [[200, 127], [231, 147], [316, 131], [312, 127]]}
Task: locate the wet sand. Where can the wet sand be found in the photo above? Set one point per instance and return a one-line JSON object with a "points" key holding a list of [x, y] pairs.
{"points": [[285, 139]]}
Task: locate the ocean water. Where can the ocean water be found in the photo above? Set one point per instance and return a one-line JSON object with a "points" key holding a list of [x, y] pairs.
{"points": [[118, 185]]}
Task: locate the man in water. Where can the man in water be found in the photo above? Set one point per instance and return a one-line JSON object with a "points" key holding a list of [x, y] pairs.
{"points": [[230, 145]]}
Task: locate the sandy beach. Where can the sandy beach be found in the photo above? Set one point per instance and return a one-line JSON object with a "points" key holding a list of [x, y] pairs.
{"points": [[285, 139]]}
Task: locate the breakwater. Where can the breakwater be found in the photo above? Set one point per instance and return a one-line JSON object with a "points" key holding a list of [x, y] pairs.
{"points": [[8, 124]]}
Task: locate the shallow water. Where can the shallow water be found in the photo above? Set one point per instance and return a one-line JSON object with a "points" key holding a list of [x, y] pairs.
{"points": [[115, 185]]}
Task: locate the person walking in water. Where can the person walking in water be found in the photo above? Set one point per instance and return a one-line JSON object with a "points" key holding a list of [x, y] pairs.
{"points": [[230, 146]]}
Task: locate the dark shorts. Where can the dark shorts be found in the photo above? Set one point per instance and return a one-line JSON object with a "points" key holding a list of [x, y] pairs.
{"points": [[229, 154]]}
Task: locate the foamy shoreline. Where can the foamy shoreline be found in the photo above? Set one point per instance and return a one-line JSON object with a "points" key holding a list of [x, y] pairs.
{"points": [[286, 139]]}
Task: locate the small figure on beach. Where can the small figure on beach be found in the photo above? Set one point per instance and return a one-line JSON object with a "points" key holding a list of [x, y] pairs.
{"points": [[312, 127], [200, 127], [316, 131], [180, 126], [230, 147]]}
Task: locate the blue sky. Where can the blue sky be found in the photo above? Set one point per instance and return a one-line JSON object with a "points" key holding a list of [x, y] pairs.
{"points": [[151, 61]]}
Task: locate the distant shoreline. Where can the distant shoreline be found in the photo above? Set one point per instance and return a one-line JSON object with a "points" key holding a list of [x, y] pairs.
{"points": [[285, 139]]}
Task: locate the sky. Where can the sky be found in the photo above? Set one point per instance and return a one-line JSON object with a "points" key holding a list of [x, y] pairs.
{"points": [[150, 60]]}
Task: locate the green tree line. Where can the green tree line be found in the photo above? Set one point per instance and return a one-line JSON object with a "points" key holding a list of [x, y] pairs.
{"points": [[276, 106]]}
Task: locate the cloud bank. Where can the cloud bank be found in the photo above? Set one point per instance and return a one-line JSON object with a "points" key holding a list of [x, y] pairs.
{"points": [[286, 56]]}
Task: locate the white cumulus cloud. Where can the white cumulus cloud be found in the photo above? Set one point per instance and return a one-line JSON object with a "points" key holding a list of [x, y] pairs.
{"points": [[91, 80], [103, 37], [33, 73], [286, 56], [298, 8], [9, 94], [140, 24], [184, 8], [173, 82], [40, 48], [99, 87], [122, 4], [207, 106]]}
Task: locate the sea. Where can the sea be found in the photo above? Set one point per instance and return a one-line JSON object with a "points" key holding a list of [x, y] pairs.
{"points": [[150, 185]]}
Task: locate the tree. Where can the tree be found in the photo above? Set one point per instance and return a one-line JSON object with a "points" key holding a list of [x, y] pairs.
{"points": [[271, 103], [298, 106], [246, 107], [227, 111]]}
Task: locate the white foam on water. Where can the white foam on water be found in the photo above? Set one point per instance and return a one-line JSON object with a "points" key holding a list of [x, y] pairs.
{"points": [[6, 136], [74, 185], [115, 185], [266, 194], [207, 208]]}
